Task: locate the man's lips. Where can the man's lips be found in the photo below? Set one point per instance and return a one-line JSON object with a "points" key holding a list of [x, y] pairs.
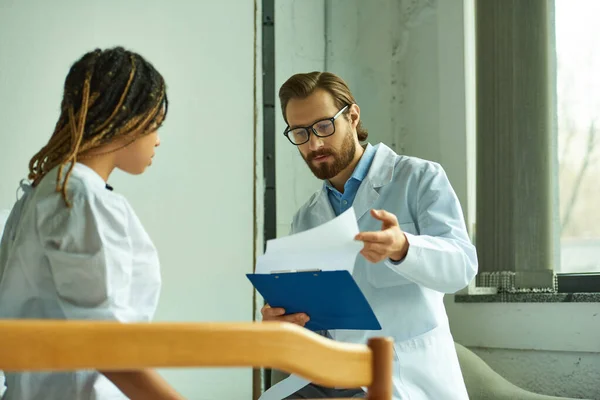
{"points": [[321, 158]]}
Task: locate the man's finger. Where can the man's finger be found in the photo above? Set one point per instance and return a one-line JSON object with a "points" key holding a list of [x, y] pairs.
{"points": [[377, 248], [367, 255], [266, 306], [273, 312], [374, 237], [302, 319], [372, 256], [299, 318], [385, 217]]}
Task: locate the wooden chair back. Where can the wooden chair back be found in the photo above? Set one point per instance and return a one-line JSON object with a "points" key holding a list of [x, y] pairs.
{"points": [[36, 345]]}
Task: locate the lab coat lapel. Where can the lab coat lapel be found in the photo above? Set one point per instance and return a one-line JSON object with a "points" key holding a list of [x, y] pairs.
{"points": [[366, 196], [322, 209], [380, 174]]}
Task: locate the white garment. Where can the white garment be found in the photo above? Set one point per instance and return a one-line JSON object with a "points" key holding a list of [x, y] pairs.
{"points": [[93, 261], [407, 297]]}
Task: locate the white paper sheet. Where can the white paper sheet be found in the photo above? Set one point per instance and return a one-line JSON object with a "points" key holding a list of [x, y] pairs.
{"points": [[328, 247]]}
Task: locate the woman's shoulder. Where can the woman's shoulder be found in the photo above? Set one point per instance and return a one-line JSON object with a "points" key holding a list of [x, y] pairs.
{"points": [[90, 200]]}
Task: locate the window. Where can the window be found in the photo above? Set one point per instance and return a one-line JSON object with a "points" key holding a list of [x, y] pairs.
{"points": [[578, 111]]}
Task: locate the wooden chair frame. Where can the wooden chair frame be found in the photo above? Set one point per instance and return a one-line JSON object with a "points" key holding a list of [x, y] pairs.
{"points": [[36, 345]]}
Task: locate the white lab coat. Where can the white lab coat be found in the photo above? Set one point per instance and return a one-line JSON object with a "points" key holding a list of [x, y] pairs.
{"points": [[406, 297], [94, 261]]}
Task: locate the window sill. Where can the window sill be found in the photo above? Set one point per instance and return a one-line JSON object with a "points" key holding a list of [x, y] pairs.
{"points": [[572, 288], [528, 298], [548, 325]]}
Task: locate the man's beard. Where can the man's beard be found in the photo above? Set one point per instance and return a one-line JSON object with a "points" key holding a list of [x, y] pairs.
{"points": [[341, 159]]}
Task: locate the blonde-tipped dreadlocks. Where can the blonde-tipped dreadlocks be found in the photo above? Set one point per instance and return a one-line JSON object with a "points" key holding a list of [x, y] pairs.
{"points": [[107, 95]]}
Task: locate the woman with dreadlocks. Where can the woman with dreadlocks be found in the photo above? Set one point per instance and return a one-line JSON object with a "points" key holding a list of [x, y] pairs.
{"points": [[74, 249]]}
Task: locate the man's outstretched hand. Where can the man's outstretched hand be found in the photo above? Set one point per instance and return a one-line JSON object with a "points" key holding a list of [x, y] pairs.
{"points": [[390, 242]]}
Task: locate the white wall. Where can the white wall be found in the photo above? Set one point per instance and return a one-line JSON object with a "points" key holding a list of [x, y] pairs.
{"points": [[568, 374], [299, 47], [363, 53], [3, 218], [205, 51], [552, 348], [392, 67], [410, 65]]}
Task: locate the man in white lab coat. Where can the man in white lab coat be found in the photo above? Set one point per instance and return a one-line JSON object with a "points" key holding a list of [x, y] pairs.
{"points": [[416, 246]]}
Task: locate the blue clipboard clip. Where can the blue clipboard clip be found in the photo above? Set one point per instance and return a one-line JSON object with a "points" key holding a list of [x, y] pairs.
{"points": [[291, 271]]}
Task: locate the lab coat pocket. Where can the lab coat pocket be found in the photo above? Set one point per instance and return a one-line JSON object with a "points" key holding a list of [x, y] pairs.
{"points": [[82, 279], [428, 367]]}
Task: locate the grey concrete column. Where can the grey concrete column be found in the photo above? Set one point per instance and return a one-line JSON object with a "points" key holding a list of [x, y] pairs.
{"points": [[515, 135]]}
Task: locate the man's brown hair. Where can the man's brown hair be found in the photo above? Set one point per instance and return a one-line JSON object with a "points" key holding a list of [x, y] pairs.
{"points": [[303, 85]]}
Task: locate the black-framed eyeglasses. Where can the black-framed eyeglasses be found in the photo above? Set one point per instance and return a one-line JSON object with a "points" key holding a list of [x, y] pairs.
{"points": [[321, 128]]}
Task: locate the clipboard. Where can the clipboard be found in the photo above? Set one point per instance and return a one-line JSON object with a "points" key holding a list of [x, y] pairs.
{"points": [[331, 299]]}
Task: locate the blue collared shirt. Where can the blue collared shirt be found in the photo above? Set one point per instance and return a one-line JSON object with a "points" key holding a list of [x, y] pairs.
{"points": [[341, 202]]}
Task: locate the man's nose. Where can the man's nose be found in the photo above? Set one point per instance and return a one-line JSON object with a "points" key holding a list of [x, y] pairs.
{"points": [[314, 142]]}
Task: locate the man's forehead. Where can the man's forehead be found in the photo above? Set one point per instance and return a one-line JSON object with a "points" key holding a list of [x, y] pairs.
{"points": [[319, 105]]}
